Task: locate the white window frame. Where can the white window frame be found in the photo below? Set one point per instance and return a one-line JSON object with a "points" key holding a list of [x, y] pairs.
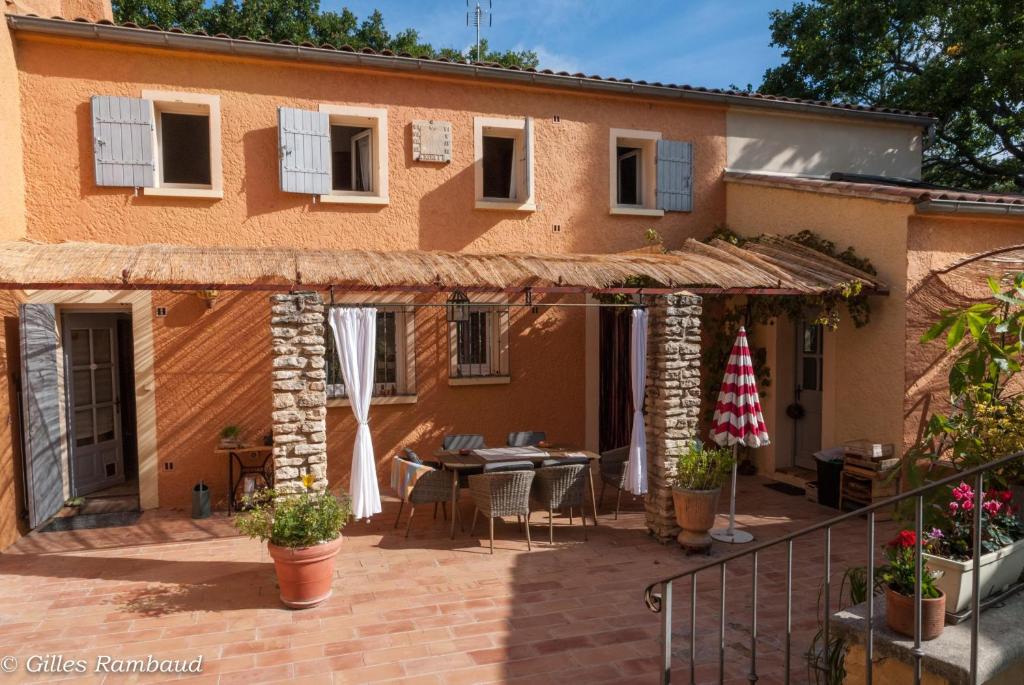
{"points": [[647, 176], [498, 323], [375, 119], [161, 101], [404, 390], [523, 198]]}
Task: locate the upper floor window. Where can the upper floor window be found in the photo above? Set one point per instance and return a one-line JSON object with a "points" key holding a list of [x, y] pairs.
{"points": [[647, 175], [504, 163], [186, 135], [338, 153], [394, 362]]}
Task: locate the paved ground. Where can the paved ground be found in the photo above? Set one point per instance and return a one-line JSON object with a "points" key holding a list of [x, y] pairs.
{"points": [[420, 610]]}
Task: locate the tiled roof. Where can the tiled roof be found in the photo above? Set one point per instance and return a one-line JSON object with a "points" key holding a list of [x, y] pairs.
{"points": [[128, 32], [873, 189]]}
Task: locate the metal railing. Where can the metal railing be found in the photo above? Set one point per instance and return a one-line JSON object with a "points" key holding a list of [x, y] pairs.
{"points": [[658, 595]]}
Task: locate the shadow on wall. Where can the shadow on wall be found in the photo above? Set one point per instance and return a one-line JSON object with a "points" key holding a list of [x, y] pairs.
{"points": [[13, 522], [809, 158], [212, 370]]}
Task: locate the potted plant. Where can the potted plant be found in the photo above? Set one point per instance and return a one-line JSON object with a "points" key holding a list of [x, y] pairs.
{"points": [[303, 536], [950, 546], [230, 436], [899, 577], [696, 484]]}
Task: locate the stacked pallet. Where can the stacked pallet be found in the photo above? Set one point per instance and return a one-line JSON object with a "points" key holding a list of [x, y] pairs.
{"points": [[870, 473]]}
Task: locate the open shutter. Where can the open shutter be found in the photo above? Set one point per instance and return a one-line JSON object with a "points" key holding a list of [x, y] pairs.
{"points": [[305, 149], [122, 136], [527, 160], [675, 176], [41, 412]]}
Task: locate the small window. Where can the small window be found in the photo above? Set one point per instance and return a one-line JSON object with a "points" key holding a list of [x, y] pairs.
{"points": [[395, 357], [359, 160], [185, 148], [499, 168], [186, 144], [504, 164], [633, 172], [479, 345]]}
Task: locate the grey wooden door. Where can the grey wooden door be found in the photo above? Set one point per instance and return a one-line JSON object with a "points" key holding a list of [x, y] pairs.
{"points": [[809, 385], [90, 350], [41, 407]]}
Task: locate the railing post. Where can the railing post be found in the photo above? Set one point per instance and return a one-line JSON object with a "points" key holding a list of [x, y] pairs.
{"points": [[789, 607], [753, 622], [828, 587], [918, 576], [869, 643], [666, 632], [979, 482], [721, 630], [693, 629]]}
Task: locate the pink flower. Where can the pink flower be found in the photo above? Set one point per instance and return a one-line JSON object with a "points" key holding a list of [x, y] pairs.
{"points": [[953, 507], [992, 507], [968, 505]]}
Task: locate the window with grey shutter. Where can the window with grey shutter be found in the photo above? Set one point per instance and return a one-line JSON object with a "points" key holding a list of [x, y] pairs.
{"points": [[122, 133], [675, 176], [41, 407], [305, 150]]}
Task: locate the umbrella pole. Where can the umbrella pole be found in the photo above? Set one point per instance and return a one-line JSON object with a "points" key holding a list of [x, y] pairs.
{"points": [[730, 534], [732, 498]]}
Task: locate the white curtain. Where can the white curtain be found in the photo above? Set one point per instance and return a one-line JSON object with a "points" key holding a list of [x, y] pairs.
{"points": [[355, 335], [636, 467]]}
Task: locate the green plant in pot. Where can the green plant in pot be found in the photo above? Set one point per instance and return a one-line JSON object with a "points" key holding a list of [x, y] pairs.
{"points": [[230, 436], [900, 579], [700, 471], [303, 536]]}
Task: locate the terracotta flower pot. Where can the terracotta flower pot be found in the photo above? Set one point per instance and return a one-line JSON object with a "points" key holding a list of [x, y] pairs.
{"points": [[304, 574], [899, 614], [695, 514]]}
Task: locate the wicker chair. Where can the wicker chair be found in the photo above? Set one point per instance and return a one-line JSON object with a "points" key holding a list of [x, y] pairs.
{"points": [[433, 487], [501, 493], [526, 438], [560, 487], [613, 473]]}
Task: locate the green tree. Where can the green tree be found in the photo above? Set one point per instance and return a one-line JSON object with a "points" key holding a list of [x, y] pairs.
{"points": [[298, 21], [960, 60]]}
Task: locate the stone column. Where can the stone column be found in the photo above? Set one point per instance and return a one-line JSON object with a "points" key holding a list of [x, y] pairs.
{"points": [[672, 401], [300, 390]]}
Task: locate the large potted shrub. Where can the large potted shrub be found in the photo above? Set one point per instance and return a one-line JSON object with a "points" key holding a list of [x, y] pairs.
{"points": [[700, 471], [950, 546], [900, 579], [303, 536]]}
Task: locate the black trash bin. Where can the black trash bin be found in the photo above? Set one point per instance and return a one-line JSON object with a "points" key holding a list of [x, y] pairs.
{"points": [[830, 467], [200, 501]]}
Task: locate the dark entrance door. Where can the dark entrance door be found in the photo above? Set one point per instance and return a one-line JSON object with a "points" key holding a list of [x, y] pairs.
{"points": [[616, 400]]}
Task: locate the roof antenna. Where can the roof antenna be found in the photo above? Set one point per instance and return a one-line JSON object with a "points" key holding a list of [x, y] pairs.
{"points": [[475, 17]]}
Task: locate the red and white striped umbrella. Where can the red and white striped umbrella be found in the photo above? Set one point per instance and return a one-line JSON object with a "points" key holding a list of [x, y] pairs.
{"points": [[738, 419]]}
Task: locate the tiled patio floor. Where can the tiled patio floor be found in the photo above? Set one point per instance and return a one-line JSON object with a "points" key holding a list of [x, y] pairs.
{"points": [[422, 610]]}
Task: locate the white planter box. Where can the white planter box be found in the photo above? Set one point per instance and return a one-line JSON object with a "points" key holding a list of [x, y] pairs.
{"points": [[999, 570]]}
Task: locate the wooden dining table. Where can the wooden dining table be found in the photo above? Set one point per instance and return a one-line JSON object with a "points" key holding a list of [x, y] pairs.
{"points": [[459, 461]]}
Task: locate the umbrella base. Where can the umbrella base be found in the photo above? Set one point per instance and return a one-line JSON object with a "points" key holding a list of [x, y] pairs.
{"points": [[736, 537]]}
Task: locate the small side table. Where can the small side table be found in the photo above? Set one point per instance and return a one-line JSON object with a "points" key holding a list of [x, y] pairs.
{"points": [[255, 461]]}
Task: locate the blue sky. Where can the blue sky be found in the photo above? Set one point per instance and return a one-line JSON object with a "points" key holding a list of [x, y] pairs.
{"points": [[699, 42]]}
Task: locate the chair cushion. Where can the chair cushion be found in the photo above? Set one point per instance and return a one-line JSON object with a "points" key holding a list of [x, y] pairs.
{"points": [[462, 441], [526, 438], [508, 466], [565, 461]]}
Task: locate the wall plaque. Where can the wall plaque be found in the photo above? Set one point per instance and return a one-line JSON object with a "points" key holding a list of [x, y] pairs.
{"points": [[432, 141]]}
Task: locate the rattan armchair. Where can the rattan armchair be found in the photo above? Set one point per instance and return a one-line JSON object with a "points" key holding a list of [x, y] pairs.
{"points": [[613, 473], [501, 493], [433, 487], [560, 488]]}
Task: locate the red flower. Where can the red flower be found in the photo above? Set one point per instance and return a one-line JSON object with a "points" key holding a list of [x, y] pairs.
{"points": [[1005, 496], [906, 538]]}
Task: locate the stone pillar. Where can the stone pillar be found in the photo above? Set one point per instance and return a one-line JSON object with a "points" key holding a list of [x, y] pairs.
{"points": [[672, 401], [300, 390]]}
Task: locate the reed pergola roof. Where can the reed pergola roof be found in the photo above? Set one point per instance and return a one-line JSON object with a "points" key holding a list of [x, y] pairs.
{"points": [[769, 265]]}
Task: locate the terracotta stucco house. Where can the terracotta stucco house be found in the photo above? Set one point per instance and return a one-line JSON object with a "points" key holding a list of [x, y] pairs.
{"points": [[393, 153]]}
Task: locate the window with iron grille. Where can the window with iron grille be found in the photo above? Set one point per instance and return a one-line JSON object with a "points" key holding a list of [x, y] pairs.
{"points": [[479, 346], [393, 366]]}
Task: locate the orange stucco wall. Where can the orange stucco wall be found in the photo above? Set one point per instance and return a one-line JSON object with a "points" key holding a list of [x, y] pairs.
{"points": [[213, 365], [863, 367]]}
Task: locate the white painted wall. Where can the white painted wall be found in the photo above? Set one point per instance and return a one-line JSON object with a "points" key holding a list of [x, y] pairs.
{"points": [[817, 146]]}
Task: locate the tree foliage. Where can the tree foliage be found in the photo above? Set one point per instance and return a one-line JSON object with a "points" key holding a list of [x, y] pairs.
{"points": [[298, 21], [958, 60]]}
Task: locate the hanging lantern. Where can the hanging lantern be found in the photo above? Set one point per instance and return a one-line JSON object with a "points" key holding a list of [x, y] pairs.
{"points": [[458, 307]]}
